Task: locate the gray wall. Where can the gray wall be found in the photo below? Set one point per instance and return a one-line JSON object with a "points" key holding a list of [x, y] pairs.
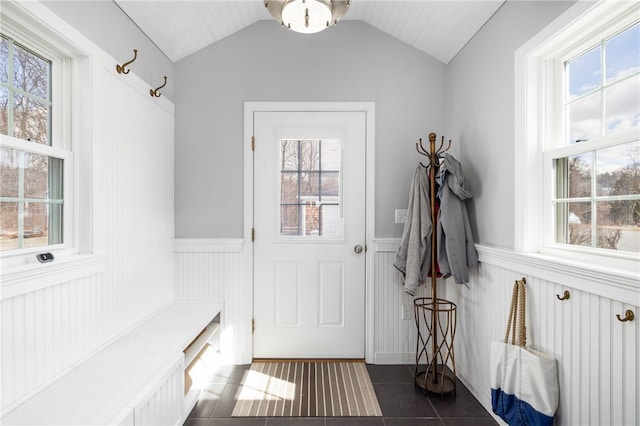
{"points": [[350, 62], [104, 23], [480, 117]]}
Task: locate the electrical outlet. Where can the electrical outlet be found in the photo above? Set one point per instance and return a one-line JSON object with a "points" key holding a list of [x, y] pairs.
{"points": [[401, 215], [406, 312]]}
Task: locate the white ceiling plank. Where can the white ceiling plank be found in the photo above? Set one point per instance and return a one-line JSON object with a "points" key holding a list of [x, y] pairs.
{"points": [[439, 28]]}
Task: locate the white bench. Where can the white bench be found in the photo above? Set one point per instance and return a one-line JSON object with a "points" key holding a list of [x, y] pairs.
{"points": [[137, 379]]}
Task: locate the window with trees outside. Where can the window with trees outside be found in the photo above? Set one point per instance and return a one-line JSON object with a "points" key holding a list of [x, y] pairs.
{"points": [[32, 160], [310, 203], [593, 157]]}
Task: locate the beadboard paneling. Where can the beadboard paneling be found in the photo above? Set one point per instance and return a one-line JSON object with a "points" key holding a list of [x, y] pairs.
{"points": [[395, 337], [46, 331], [216, 270], [597, 355], [164, 406], [51, 324], [133, 194], [202, 275]]}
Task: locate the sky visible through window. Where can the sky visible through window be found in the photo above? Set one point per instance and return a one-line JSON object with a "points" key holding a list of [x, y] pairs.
{"points": [[598, 189], [603, 88]]}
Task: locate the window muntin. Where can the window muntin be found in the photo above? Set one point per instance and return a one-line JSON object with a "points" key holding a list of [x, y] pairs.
{"points": [[32, 166], [596, 195], [310, 189]]}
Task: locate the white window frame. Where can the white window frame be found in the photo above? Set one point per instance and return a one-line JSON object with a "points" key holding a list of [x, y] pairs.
{"points": [[604, 272], [24, 31]]}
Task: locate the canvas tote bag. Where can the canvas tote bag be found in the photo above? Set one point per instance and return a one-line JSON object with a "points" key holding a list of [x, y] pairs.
{"points": [[524, 382]]}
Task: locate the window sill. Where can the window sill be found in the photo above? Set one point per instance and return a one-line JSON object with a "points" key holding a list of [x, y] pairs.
{"points": [[623, 286], [32, 277]]}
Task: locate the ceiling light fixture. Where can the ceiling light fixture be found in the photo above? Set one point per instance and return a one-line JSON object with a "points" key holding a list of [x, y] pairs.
{"points": [[307, 16]]}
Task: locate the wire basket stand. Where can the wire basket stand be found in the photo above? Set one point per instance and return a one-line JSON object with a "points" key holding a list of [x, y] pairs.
{"points": [[435, 320]]}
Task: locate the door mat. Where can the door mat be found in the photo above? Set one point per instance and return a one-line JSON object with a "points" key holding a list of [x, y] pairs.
{"points": [[307, 389]]}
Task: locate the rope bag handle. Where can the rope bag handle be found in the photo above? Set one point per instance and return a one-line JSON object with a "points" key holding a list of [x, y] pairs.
{"points": [[518, 314]]}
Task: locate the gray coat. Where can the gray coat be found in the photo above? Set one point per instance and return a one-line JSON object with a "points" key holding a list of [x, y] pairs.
{"points": [[456, 249], [413, 257]]}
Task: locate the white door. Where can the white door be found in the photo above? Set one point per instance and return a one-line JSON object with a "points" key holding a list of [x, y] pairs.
{"points": [[309, 220]]}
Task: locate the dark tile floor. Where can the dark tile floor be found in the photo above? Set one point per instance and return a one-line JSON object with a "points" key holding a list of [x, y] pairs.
{"points": [[401, 403]]}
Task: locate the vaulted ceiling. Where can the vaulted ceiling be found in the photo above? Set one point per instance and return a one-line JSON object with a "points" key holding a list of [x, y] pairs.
{"points": [[438, 28]]}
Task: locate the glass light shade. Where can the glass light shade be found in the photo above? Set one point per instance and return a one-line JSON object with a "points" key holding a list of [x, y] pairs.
{"points": [[306, 16]]}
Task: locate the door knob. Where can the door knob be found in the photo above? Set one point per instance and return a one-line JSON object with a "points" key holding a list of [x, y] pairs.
{"points": [[358, 248]]}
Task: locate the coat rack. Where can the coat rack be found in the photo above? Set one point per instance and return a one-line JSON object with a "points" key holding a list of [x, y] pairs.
{"points": [[437, 316]]}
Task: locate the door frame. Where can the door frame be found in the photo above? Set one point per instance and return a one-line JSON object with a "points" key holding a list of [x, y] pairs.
{"points": [[250, 108]]}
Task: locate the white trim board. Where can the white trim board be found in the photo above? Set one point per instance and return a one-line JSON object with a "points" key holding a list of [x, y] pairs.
{"points": [[575, 275], [208, 245]]}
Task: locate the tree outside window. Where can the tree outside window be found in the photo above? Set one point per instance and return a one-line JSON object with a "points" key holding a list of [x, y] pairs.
{"points": [[31, 199]]}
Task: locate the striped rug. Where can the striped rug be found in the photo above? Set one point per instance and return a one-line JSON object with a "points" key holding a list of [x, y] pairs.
{"points": [[307, 389]]}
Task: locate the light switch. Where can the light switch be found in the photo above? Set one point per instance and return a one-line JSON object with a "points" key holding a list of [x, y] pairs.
{"points": [[401, 215]]}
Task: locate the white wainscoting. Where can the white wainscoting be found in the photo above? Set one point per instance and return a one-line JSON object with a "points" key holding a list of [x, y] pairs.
{"points": [[598, 363], [218, 270], [165, 404], [52, 322], [46, 331], [597, 355], [394, 337]]}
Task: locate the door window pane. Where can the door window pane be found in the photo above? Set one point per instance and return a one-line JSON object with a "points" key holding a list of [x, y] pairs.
{"points": [[289, 155], [289, 220], [289, 188], [310, 198], [309, 186], [331, 184], [331, 155]]}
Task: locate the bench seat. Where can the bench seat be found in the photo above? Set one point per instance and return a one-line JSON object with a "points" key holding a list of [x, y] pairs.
{"points": [[110, 385]]}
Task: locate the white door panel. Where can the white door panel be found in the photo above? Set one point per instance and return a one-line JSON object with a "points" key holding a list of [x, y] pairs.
{"points": [[309, 214]]}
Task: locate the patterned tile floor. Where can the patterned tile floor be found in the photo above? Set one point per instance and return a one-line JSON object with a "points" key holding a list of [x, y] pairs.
{"points": [[401, 403]]}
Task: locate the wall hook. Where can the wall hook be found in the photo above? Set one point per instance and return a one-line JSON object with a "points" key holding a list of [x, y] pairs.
{"points": [[628, 316], [154, 92], [122, 69], [565, 296]]}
